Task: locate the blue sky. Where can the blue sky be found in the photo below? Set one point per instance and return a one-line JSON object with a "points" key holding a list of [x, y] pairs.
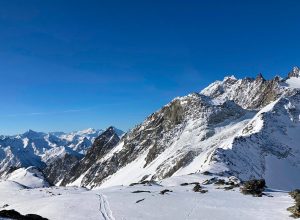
{"points": [[69, 65]]}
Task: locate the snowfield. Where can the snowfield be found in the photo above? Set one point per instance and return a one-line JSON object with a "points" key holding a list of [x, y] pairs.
{"points": [[119, 202]]}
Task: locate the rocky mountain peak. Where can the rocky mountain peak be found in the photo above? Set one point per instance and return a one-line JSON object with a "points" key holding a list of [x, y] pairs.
{"points": [[277, 78], [107, 139], [86, 131], [229, 78], [109, 131], [294, 73], [259, 77], [249, 93], [33, 134], [90, 163]]}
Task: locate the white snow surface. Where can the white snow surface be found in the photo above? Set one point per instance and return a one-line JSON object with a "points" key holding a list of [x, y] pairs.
{"points": [[29, 177], [293, 82], [119, 202]]}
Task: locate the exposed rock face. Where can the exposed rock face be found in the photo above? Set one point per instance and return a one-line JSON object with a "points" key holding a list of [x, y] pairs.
{"points": [[89, 164], [61, 166]]}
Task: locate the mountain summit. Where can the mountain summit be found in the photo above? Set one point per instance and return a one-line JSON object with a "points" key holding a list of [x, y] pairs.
{"points": [[294, 73]]}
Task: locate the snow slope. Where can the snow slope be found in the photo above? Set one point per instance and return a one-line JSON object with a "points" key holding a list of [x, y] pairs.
{"points": [[119, 202], [293, 82], [29, 177], [267, 147]]}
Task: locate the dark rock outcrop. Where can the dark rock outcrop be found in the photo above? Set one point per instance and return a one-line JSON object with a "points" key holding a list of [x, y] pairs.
{"points": [[12, 214], [254, 187], [295, 210]]}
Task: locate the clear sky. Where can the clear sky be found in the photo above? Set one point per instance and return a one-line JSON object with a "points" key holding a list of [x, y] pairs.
{"points": [[69, 65]]}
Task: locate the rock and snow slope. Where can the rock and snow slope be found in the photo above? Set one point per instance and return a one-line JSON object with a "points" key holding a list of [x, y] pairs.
{"points": [[242, 127], [267, 147], [89, 165]]}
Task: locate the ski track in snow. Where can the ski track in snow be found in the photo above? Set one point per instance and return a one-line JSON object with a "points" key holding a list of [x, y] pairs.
{"points": [[104, 208], [192, 209], [197, 201]]}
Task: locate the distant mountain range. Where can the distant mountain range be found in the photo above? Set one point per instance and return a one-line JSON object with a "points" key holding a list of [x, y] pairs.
{"points": [[41, 149]]}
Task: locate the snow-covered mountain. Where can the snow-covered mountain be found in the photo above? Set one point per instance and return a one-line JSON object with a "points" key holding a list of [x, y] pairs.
{"points": [[186, 160], [235, 127], [243, 127], [41, 149]]}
